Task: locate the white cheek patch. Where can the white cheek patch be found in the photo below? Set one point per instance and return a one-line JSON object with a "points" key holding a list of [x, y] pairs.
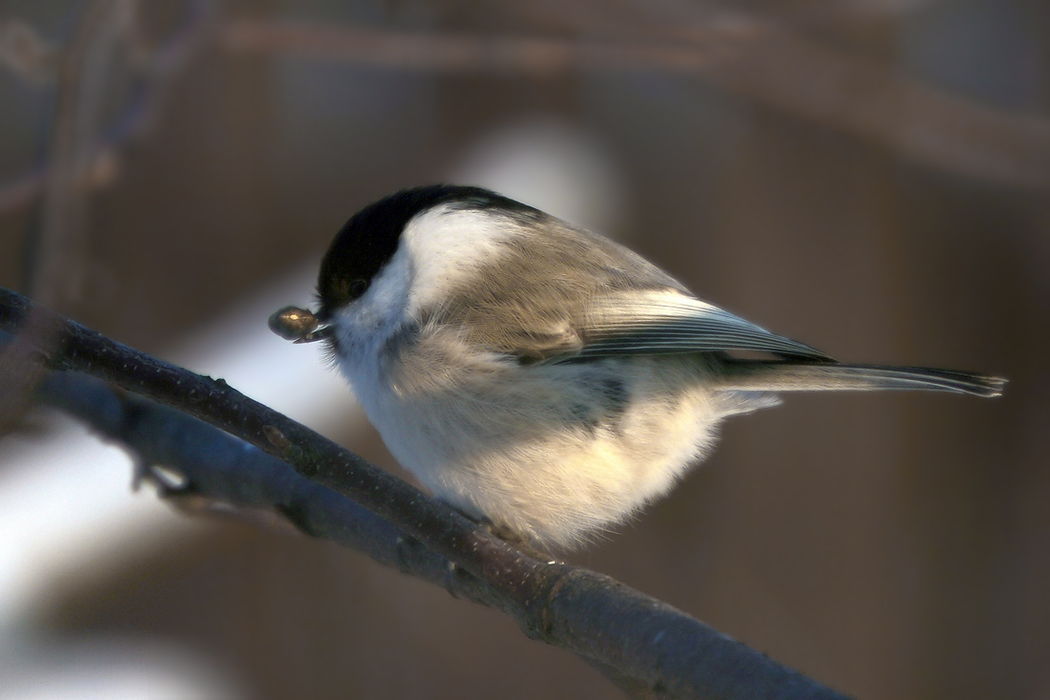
{"points": [[380, 310], [446, 245], [387, 296]]}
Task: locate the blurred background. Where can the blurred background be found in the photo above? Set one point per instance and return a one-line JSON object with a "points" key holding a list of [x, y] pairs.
{"points": [[868, 176]]}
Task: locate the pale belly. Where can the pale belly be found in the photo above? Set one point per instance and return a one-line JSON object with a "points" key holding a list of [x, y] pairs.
{"points": [[555, 453]]}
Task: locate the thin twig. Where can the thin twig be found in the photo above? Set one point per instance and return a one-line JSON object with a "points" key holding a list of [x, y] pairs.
{"points": [[644, 645]]}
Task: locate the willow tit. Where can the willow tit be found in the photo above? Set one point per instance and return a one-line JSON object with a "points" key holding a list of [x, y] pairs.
{"points": [[541, 376]]}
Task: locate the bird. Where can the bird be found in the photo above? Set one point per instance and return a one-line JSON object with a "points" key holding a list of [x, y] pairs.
{"points": [[541, 378]]}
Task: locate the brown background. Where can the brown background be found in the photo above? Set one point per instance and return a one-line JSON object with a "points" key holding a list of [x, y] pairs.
{"points": [[893, 546]]}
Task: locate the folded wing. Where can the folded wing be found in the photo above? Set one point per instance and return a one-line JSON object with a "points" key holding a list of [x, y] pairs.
{"points": [[663, 321]]}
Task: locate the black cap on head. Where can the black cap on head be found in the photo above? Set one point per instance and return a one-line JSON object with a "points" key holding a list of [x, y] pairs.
{"points": [[369, 239]]}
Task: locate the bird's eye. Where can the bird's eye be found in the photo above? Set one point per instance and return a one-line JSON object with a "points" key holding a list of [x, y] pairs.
{"points": [[357, 287]]}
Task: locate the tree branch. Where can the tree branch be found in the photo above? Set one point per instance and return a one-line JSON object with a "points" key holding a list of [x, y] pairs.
{"points": [[647, 647]]}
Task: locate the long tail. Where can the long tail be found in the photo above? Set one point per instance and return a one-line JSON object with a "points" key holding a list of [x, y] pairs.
{"points": [[786, 375]]}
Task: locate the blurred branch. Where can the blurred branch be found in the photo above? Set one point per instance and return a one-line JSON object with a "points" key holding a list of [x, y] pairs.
{"points": [[58, 249], [745, 55], [445, 52], [92, 160], [647, 647], [780, 69]]}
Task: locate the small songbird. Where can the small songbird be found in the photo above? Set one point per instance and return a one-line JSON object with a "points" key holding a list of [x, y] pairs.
{"points": [[540, 376]]}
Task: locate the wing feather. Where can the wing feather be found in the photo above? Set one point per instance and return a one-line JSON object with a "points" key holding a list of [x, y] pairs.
{"points": [[668, 321], [573, 295]]}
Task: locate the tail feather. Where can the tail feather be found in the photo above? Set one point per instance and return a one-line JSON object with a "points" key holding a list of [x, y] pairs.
{"points": [[786, 375]]}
